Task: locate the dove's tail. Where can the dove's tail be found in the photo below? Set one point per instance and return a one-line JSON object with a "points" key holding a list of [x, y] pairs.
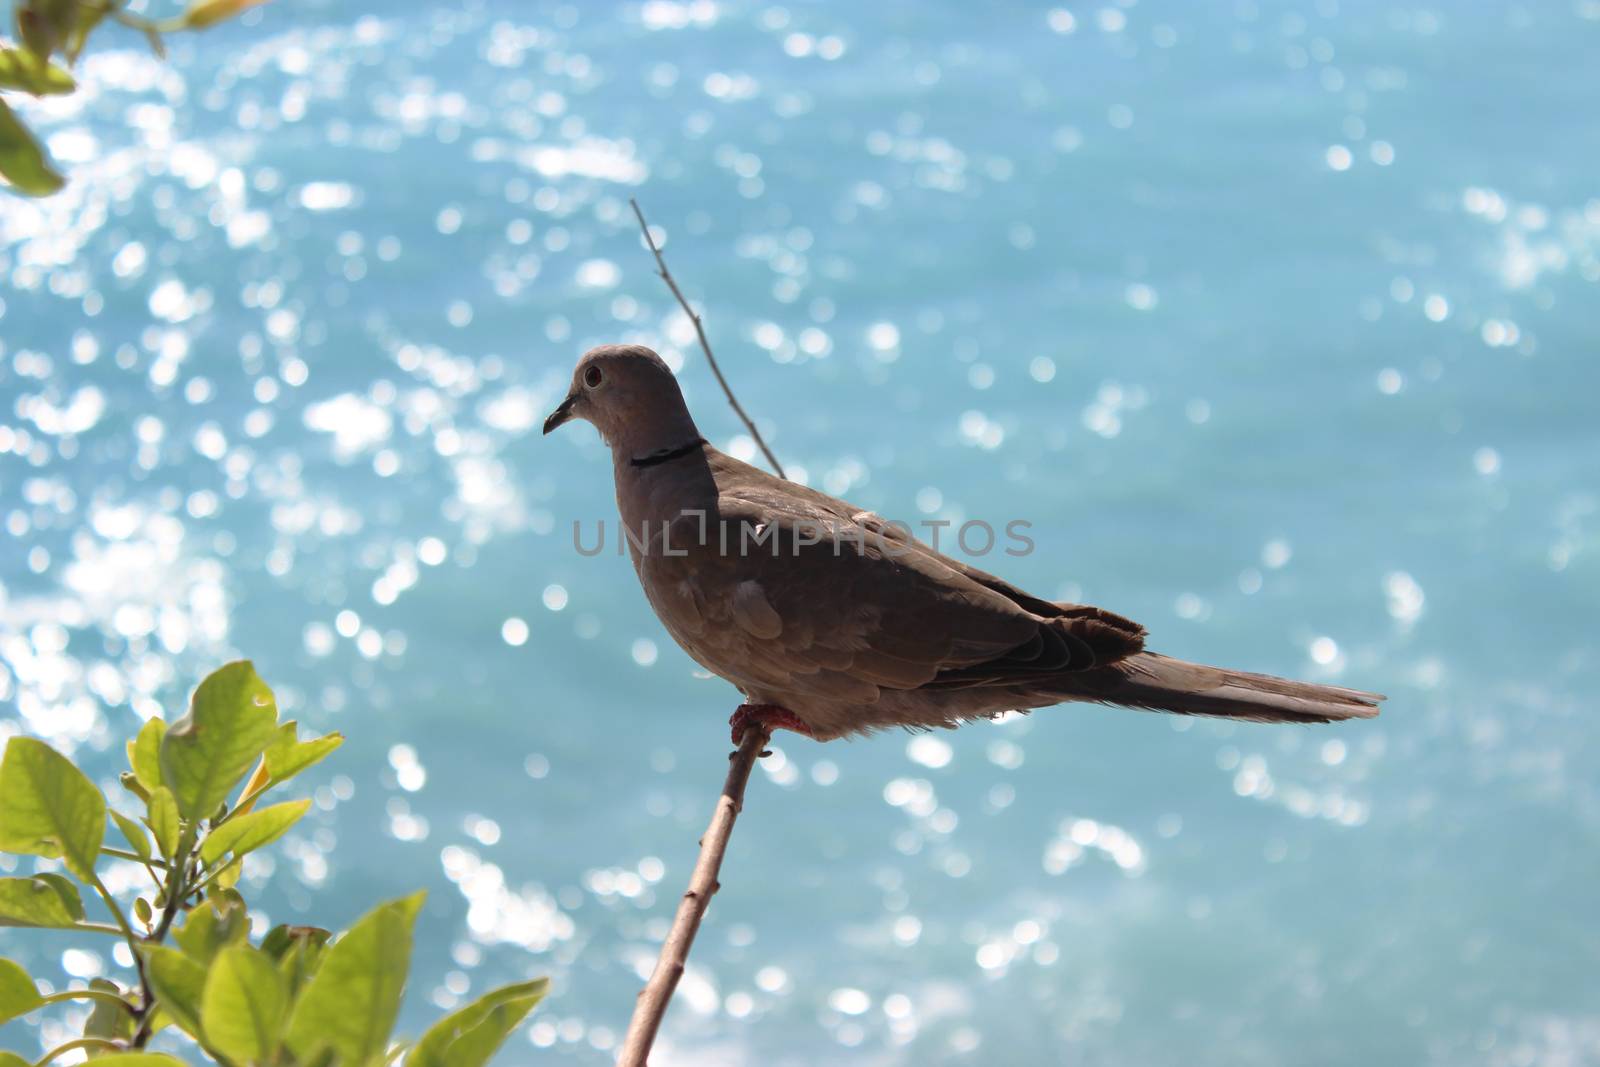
{"points": [[1149, 680]]}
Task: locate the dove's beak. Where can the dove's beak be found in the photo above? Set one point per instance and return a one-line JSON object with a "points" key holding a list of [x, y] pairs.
{"points": [[561, 414]]}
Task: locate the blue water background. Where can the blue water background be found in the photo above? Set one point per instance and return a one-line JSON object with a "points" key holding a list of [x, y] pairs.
{"points": [[1278, 321]]}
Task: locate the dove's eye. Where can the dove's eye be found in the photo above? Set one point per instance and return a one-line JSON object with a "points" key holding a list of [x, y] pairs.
{"points": [[591, 377]]}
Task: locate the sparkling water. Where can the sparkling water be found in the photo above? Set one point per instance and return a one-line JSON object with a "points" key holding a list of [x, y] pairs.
{"points": [[1276, 321]]}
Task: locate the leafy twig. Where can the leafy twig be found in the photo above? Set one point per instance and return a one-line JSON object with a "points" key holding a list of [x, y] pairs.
{"points": [[705, 345], [147, 997], [175, 891], [652, 1003], [218, 872]]}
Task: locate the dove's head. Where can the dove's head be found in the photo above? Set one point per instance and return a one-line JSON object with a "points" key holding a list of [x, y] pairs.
{"points": [[629, 394]]}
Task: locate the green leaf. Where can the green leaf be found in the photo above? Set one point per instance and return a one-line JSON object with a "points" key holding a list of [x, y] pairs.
{"points": [[18, 994], [36, 31], [46, 900], [204, 754], [89, 16], [470, 1036], [203, 13], [179, 983], [57, 17], [227, 876], [164, 822], [107, 1020], [66, 889], [246, 833], [228, 898], [23, 164], [138, 1059], [287, 756], [48, 807], [298, 950], [137, 839], [24, 70], [280, 940], [350, 1004], [11, 1059], [244, 1005], [211, 927], [144, 753]]}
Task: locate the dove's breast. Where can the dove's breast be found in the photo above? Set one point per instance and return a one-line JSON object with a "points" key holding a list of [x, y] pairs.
{"points": [[727, 624], [722, 629]]}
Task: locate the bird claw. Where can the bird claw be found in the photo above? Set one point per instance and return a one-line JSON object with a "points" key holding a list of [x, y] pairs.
{"points": [[769, 716]]}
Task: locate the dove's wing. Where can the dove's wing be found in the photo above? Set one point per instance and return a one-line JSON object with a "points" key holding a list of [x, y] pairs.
{"points": [[784, 589]]}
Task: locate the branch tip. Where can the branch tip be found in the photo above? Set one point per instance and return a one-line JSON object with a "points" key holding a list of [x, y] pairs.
{"points": [[705, 345]]}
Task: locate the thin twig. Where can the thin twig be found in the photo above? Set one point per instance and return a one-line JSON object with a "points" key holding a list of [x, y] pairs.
{"points": [[94, 928], [651, 1006], [176, 891], [124, 854], [115, 908], [705, 345], [652, 1003]]}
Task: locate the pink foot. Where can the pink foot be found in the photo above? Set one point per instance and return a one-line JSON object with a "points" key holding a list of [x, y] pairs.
{"points": [[769, 715]]}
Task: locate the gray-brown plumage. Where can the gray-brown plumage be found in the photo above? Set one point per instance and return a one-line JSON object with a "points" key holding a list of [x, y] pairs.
{"points": [[809, 604]]}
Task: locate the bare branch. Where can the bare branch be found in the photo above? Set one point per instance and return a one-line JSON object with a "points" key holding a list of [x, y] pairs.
{"points": [[666, 276], [652, 1003], [651, 1006]]}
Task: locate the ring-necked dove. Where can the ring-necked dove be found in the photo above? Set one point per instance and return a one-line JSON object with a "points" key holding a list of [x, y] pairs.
{"points": [[832, 622]]}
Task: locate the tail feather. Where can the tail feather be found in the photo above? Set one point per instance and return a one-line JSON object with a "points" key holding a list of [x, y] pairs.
{"points": [[1160, 683]]}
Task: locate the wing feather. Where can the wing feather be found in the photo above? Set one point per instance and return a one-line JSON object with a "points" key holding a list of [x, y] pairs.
{"points": [[794, 591]]}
